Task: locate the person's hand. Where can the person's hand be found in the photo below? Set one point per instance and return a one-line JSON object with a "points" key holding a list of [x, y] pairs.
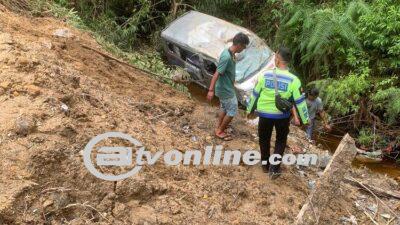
{"points": [[210, 95], [248, 115], [296, 121], [328, 128]]}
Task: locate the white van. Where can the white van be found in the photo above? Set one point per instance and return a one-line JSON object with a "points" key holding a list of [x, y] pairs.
{"points": [[195, 40]]}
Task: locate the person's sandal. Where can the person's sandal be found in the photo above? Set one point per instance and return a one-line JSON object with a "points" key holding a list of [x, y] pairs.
{"points": [[223, 136], [265, 168], [228, 138], [274, 175]]}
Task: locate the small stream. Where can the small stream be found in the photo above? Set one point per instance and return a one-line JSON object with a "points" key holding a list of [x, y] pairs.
{"points": [[327, 141], [331, 142]]}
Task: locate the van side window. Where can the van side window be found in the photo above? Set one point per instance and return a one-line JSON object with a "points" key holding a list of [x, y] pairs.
{"points": [[170, 46], [185, 54], [210, 66], [190, 57], [173, 48]]}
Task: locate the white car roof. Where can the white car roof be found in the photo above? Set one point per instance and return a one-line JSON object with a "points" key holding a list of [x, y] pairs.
{"points": [[205, 34]]}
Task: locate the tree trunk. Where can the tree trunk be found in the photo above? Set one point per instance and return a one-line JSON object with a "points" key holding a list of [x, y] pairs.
{"points": [[327, 186], [174, 7]]}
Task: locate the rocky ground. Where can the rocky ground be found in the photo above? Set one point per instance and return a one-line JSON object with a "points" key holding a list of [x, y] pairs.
{"points": [[55, 96]]}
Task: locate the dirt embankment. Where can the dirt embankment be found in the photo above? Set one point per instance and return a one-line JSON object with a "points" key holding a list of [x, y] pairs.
{"points": [[55, 96]]}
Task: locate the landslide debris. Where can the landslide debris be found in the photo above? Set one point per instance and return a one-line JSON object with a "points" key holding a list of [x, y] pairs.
{"points": [[55, 96]]}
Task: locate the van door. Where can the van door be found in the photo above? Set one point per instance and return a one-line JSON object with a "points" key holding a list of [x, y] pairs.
{"points": [[173, 54], [192, 64], [209, 68], [186, 59]]}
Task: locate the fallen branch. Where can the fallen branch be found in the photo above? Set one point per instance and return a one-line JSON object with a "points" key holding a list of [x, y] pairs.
{"points": [[85, 205], [161, 115], [390, 221], [59, 189], [124, 63], [378, 191], [373, 193], [371, 218]]}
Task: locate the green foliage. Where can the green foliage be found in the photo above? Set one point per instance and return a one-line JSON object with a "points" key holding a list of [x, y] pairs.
{"points": [[388, 101], [365, 137], [369, 138], [152, 61], [342, 95], [223, 9], [147, 60], [58, 11], [268, 18], [126, 23], [315, 33], [379, 31], [106, 24]]}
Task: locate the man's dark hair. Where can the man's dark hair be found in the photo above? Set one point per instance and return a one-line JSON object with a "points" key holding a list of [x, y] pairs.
{"points": [[241, 39], [285, 54], [314, 92]]}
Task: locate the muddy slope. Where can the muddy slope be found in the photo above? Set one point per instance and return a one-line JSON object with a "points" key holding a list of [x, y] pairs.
{"points": [[55, 96]]}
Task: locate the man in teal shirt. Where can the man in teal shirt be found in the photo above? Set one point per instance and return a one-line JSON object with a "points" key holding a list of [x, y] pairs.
{"points": [[222, 84]]}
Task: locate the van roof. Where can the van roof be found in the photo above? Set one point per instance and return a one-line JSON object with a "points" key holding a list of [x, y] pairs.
{"points": [[204, 33]]}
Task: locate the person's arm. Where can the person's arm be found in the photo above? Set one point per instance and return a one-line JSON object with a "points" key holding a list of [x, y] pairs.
{"points": [[255, 95], [325, 120], [323, 116], [300, 102], [214, 79], [295, 116], [222, 64], [321, 112]]}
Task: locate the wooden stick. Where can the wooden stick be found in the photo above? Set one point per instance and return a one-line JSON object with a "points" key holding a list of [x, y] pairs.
{"points": [[378, 191], [160, 115], [370, 191], [390, 221], [370, 217], [124, 63], [85, 205], [59, 189]]}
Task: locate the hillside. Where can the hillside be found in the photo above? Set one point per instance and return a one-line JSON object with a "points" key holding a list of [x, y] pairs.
{"points": [[55, 95]]}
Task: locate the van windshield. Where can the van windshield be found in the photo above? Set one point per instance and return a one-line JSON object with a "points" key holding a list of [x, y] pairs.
{"points": [[252, 59]]}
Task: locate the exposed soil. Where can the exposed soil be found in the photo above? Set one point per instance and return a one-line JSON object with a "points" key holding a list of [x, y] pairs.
{"points": [[55, 96]]}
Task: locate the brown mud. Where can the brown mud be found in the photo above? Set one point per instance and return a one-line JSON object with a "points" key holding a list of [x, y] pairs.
{"points": [[55, 96]]}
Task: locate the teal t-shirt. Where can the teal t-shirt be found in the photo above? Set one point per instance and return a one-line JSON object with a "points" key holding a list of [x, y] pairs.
{"points": [[224, 88]]}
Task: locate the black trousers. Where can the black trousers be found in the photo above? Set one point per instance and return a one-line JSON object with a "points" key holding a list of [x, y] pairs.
{"points": [[265, 127]]}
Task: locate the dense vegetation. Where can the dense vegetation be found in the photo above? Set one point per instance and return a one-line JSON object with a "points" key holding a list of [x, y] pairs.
{"points": [[350, 49]]}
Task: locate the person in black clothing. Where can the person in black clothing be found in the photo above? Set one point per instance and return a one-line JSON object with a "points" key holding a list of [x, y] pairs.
{"points": [[267, 124], [265, 127]]}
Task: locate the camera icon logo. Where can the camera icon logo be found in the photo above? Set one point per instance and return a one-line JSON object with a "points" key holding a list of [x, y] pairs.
{"points": [[111, 156]]}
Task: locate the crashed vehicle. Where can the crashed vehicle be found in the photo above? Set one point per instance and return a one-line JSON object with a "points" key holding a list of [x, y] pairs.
{"points": [[195, 41]]}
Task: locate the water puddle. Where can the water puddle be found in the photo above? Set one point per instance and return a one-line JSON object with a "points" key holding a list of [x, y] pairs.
{"points": [[331, 141]]}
